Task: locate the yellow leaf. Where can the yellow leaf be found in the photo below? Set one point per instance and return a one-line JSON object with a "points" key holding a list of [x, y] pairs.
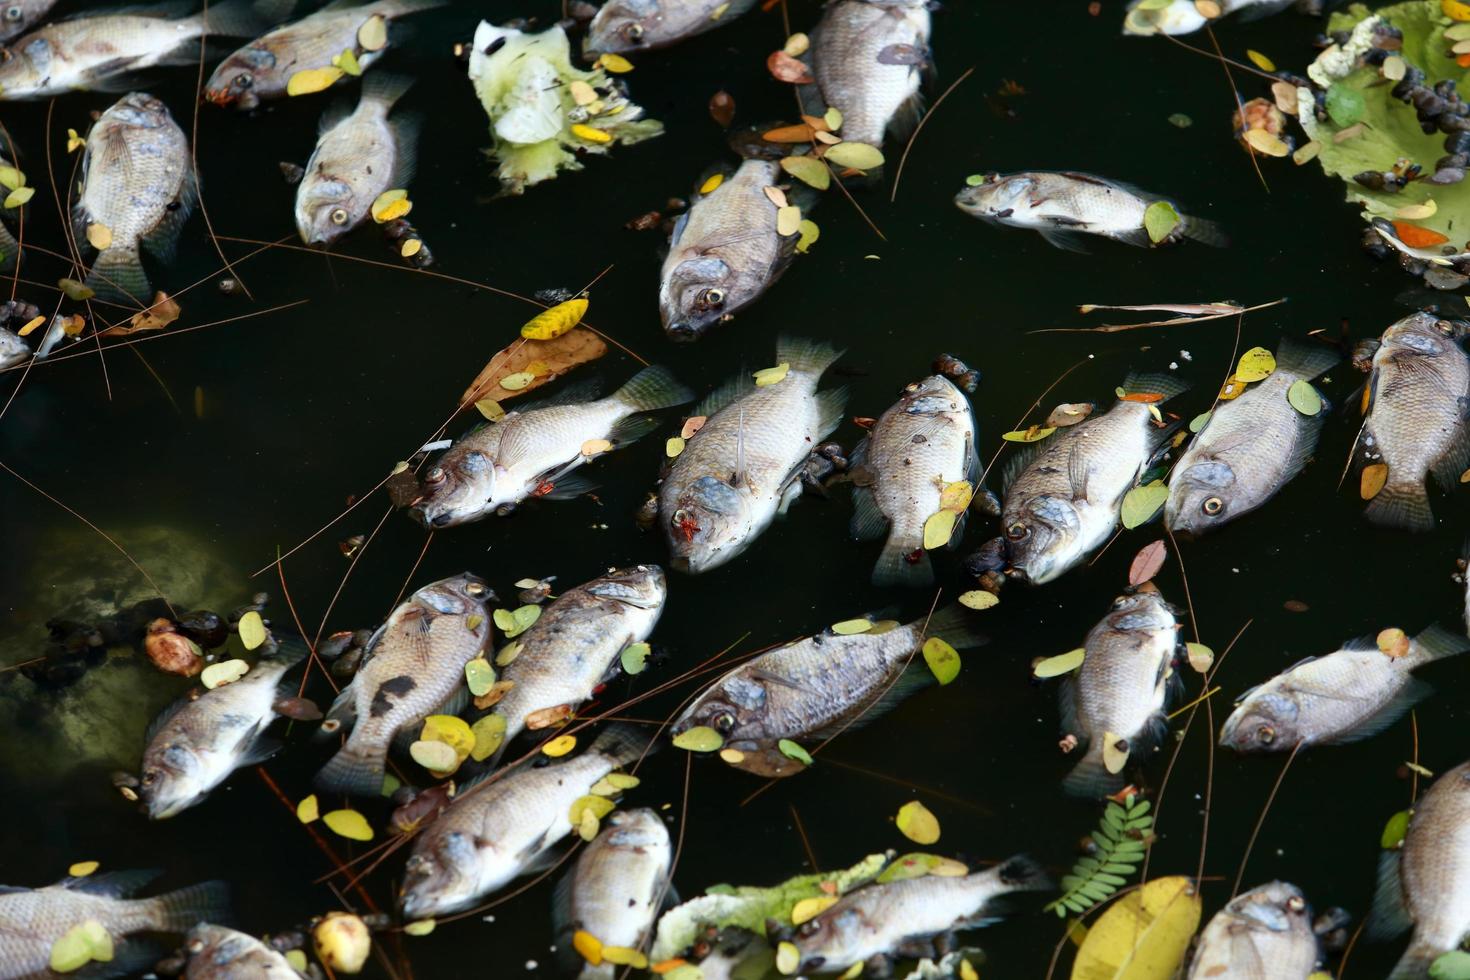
{"points": [[624, 956], [12, 179], [517, 381], [394, 210], [1063, 663], [850, 627], [771, 375], [788, 958], [437, 757], [450, 730], [222, 673], [943, 660], [939, 528], [673, 446], [490, 408], [83, 868], [1374, 476], [30, 326], [917, 824], [595, 447], [1267, 143], [590, 133], [347, 61], [373, 34], [74, 290], [833, 118], [1260, 61], [99, 235], [310, 80], [1306, 153], [1415, 212], [712, 182], [349, 824], [810, 908], [700, 738], [788, 220], [411, 247], [588, 945], [382, 202], [978, 599], [1394, 642], [859, 156], [967, 972], [600, 806], [1115, 752], [308, 810], [587, 829], [73, 141], [955, 496], [507, 654], [552, 323], [297, 959], [1455, 10], [560, 746], [1255, 364], [1032, 434], [19, 196], [809, 234], [732, 756], [615, 63], [422, 927], [581, 92], [489, 732], [252, 630], [796, 45], [1143, 935]]}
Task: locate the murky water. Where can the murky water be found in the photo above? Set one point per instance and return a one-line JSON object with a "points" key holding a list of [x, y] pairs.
{"points": [[305, 406]]}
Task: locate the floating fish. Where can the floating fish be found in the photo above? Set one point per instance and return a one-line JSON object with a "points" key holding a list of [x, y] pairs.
{"points": [[1425, 884], [138, 187], [743, 467], [495, 831], [1350, 694], [1250, 446], [263, 68], [1417, 404], [1063, 206], [1114, 703], [9, 247], [13, 350], [196, 742], [32, 920], [413, 667], [867, 57], [904, 918], [629, 26], [1185, 16], [724, 252], [217, 953], [1263, 934], [532, 452], [19, 16], [920, 445]]}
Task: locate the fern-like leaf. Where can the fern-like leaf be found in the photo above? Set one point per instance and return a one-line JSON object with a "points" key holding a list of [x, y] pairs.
{"points": [[1119, 841]]}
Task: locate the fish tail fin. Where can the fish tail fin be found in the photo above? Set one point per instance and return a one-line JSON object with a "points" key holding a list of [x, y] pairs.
{"points": [[1090, 777], [1203, 231], [1415, 963], [1304, 358], [1154, 383], [117, 275], [1434, 642], [954, 624], [653, 388], [1403, 503], [903, 563], [805, 354], [182, 910], [287, 652], [354, 770], [623, 743]]}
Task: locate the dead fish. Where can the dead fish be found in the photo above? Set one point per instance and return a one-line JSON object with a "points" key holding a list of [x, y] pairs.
{"points": [[1417, 401], [1063, 496], [920, 445], [1425, 884], [904, 918], [217, 953], [743, 467], [1250, 447], [104, 52], [1350, 694], [629, 26], [1263, 934], [9, 247], [820, 685], [532, 451], [573, 647], [724, 252], [1184, 16], [1114, 703], [13, 350], [263, 68], [1063, 206], [867, 58], [19, 16], [33, 919], [194, 744], [138, 184], [616, 888], [357, 158], [413, 667], [494, 832]]}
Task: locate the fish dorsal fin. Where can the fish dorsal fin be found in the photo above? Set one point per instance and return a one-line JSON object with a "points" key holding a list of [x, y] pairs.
{"points": [[1304, 358], [165, 716], [113, 884], [1021, 457], [726, 394], [574, 393]]}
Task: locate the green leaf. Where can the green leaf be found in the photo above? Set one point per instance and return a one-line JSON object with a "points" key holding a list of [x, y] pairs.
{"points": [[1159, 219], [859, 156], [634, 657], [1345, 104], [480, 676], [793, 751], [942, 659], [701, 738], [808, 170], [1454, 965], [252, 630], [1304, 397], [1199, 421], [1141, 503], [1394, 830]]}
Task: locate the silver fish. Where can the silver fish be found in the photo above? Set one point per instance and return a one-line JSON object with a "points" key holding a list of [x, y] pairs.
{"points": [[1116, 699], [573, 646], [921, 444], [1250, 447], [411, 668], [217, 953], [494, 832], [263, 68], [138, 183], [616, 887], [724, 252], [357, 158], [744, 465], [532, 452], [1349, 694], [900, 917], [1064, 206], [866, 57], [1418, 400], [9, 247], [19, 16], [13, 350], [194, 744], [1263, 934], [100, 52], [1184, 17], [1425, 884], [819, 684], [33, 919], [1064, 501], [630, 26]]}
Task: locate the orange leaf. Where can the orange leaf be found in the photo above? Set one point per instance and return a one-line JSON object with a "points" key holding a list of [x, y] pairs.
{"points": [[1142, 396], [1415, 236], [1372, 480], [787, 69], [816, 122], [788, 134]]}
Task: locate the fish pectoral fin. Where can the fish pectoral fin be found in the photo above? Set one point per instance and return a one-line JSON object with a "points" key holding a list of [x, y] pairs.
{"points": [[1386, 715], [568, 487], [256, 748], [1078, 471], [1137, 237], [1067, 241], [1389, 916]]}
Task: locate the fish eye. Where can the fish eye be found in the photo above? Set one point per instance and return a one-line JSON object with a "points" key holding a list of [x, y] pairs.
{"points": [[13, 13], [1120, 602], [474, 588], [634, 31], [809, 928], [1017, 531], [1213, 506], [712, 297], [243, 80], [436, 477], [1266, 734], [724, 722], [338, 216], [1296, 903], [149, 777]]}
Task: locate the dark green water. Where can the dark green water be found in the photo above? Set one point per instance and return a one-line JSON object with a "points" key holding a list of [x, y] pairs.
{"points": [[307, 406]]}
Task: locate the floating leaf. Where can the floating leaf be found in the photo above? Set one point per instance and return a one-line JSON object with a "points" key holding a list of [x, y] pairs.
{"points": [[19, 196], [943, 659], [80, 945], [1034, 433], [809, 908], [559, 746], [252, 630], [1265, 142], [373, 34], [978, 599], [624, 956], [1159, 220], [858, 156], [1200, 657], [421, 927], [1455, 10], [634, 657], [797, 44], [390, 204], [349, 824], [772, 375], [956, 496], [614, 63], [99, 235], [1372, 479], [1180, 120], [1115, 752], [1068, 413], [437, 757], [1416, 236], [1304, 397], [73, 141], [1143, 935], [733, 756], [1260, 61], [588, 946], [451, 731], [489, 732], [700, 738], [11, 178], [1394, 830], [1141, 503], [310, 80], [1415, 212], [347, 61], [517, 381], [784, 68], [83, 868], [308, 810], [1147, 562], [1062, 663], [791, 750], [722, 109], [808, 170], [711, 182], [75, 291], [1394, 642], [164, 311], [1306, 153], [552, 323], [673, 446], [515, 622], [809, 233], [30, 326], [1255, 364], [917, 824], [849, 627], [788, 220], [222, 673], [1454, 965], [788, 958], [939, 528], [599, 806], [1345, 104]]}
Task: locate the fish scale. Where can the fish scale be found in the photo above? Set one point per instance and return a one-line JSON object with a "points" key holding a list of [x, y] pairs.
{"points": [[1263, 934], [218, 953], [845, 48], [86, 51], [626, 26]]}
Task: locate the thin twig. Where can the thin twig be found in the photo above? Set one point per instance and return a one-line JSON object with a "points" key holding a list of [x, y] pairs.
{"points": [[1239, 104], [1250, 844], [1120, 327], [898, 174], [194, 156]]}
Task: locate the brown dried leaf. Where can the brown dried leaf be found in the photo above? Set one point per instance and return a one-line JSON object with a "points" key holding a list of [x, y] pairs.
{"points": [[163, 312], [1147, 562], [785, 68], [422, 809], [722, 108], [577, 346], [789, 134], [1068, 413], [546, 717]]}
